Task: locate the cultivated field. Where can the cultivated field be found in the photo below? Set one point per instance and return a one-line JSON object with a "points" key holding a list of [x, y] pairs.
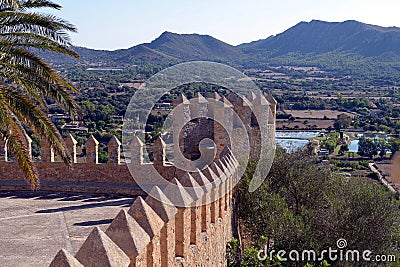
{"points": [[304, 124], [316, 114]]}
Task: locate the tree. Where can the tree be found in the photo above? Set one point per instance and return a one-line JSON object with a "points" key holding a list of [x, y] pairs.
{"points": [[61, 123], [27, 81], [384, 128], [394, 145], [330, 145], [342, 122], [302, 206], [367, 147], [381, 147], [343, 149], [332, 142]]}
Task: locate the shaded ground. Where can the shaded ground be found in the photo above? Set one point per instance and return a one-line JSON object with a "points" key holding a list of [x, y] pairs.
{"points": [[34, 226]]}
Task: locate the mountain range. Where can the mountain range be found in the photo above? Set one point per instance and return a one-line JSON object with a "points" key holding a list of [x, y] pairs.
{"points": [[304, 39], [321, 37]]}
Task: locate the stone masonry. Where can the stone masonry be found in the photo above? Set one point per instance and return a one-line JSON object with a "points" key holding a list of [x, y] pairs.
{"points": [[154, 233]]}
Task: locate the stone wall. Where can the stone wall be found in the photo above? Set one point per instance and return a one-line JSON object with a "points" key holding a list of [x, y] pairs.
{"points": [[88, 177], [155, 231]]}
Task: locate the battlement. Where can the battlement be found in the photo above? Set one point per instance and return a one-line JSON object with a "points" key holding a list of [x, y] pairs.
{"points": [[154, 233], [220, 119], [91, 176], [244, 106], [88, 176], [181, 216]]}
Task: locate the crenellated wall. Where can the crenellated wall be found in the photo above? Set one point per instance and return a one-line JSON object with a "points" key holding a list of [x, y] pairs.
{"points": [[87, 177], [155, 231]]}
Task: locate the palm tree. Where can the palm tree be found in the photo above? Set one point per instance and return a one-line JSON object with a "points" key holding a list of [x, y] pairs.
{"points": [[26, 80]]}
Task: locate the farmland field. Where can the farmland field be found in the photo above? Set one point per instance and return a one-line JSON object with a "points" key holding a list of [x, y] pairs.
{"points": [[316, 114]]}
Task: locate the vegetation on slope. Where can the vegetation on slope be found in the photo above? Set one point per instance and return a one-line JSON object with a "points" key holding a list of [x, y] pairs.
{"points": [[304, 206]]}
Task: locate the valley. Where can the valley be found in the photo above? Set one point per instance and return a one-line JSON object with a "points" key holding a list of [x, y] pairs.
{"points": [[333, 81]]}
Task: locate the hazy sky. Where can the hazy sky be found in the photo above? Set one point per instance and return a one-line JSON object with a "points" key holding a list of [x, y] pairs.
{"points": [[105, 24]]}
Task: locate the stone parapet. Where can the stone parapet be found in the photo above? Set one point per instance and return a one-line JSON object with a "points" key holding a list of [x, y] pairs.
{"points": [[154, 233]]}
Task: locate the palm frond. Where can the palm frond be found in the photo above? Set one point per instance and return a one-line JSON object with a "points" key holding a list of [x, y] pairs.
{"points": [[28, 112], [31, 40], [26, 63], [46, 25], [13, 134], [26, 80], [39, 4], [34, 21], [8, 5], [20, 151]]}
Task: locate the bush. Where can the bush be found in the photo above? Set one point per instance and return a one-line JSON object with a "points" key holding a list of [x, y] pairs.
{"points": [[364, 163], [303, 206], [103, 157]]}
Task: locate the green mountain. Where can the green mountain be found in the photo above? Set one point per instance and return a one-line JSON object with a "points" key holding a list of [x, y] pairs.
{"points": [[168, 48], [349, 47], [193, 47], [322, 37]]}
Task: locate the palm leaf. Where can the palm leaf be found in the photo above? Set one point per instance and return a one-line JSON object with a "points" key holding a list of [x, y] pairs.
{"points": [[8, 5], [52, 85], [26, 80], [40, 3], [26, 39], [13, 134], [20, 151], [28, 112]]}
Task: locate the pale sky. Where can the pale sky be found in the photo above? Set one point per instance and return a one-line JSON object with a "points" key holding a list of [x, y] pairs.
{"points": [[105, 24]]}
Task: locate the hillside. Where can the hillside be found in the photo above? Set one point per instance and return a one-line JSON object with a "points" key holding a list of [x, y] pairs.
{"points": [[193, 47], [347, 48], [321, 37], [167, 48]]}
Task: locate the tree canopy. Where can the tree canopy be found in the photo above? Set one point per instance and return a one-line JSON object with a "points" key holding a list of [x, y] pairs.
{"points": [[303, 205]]}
